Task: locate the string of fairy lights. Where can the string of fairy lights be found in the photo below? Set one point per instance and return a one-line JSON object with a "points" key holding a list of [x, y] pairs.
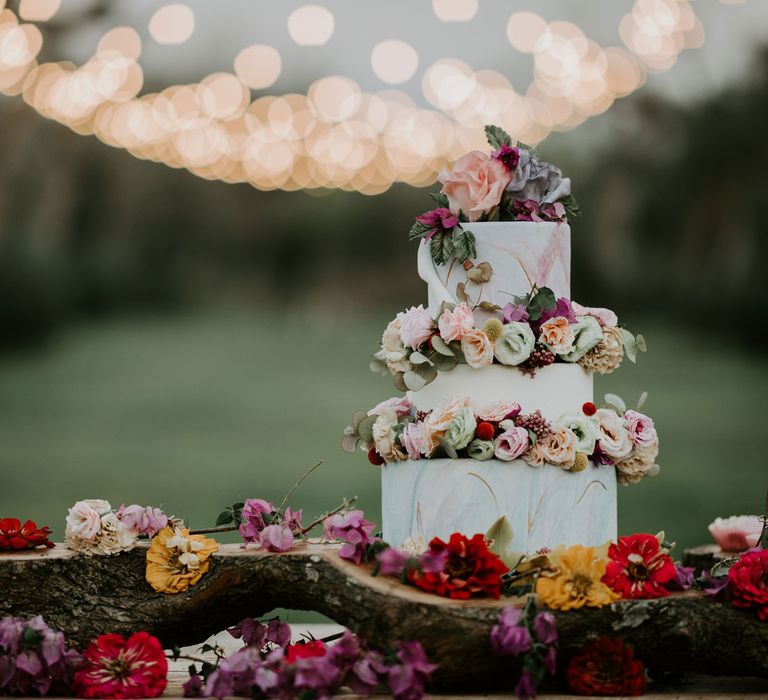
{"points": [[336, 135]]}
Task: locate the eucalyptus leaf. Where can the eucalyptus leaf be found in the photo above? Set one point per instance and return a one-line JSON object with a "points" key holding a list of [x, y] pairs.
{"points": [[365, 429], [641, 401], [630, 345], [377, 366], [440, 346], [445, 363], [418, 358], [455, 345], [497, 137], [357, 418], [427, 372], [399, 382], [616, 402], [640, 340], [413, 381], [532, 437], [349, 443]]}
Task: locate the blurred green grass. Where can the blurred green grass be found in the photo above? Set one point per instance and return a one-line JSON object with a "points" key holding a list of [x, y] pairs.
{"points": [[199, 411]]}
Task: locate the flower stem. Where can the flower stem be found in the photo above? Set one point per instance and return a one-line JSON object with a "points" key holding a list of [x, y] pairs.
{"points": [[344, 504], [208, 530], [296, 485]]}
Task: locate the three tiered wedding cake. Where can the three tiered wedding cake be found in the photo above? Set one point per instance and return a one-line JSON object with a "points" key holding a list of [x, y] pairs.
{"points": [[499, 424]]}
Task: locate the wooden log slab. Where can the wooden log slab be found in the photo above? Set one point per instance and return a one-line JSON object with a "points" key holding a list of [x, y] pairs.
{"points": [[85, 597]]}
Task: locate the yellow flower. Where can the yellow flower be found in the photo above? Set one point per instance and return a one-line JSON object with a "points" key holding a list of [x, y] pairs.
{"points": [[177, 560], [578, 581]]}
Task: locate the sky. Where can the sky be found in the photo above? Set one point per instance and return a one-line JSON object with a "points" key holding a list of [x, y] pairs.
{"points": [[225, 27]]}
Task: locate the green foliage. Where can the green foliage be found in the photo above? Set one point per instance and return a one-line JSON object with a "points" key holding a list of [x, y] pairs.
{"points": [[441, 248], [440, 199], [572, 208], [418, 230], [497, 137], [463, 244], [231, 515], [539, 301], [531, 149]]}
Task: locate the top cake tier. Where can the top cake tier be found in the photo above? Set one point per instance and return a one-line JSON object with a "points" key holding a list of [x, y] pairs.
{"points": [[512, 257]]}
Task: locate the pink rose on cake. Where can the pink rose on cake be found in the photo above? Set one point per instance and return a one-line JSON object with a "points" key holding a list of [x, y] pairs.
{"points": [[392, 348], [416, 326], [557, 334], [511, 444], [612, 435], [477, 348], [415, 440], [606, 317], [559, 448], [641, 428], [498, 411], [385, 438], [454, 323], [399, 404], [534, 457], [441, 418], [474, 184]]}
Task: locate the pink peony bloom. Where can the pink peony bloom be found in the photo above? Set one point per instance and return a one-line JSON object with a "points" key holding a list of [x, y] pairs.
{"points": [[605, 317], [499, 410], [438, 220], [399, 404], [641, 428], [415, 440], [511, 444], [416, 326], [454, 323], [474, 184], [737, 533], [276, 538]]}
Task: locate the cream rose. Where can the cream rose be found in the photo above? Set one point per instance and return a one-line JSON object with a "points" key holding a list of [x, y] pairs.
{"points": [[498, 411], [584, 428], [612, 435], [84, 521], [392, 348], [641, 428], [605, 317], [511, 444], [416, 326], [399, 404], [515, 343], [638, 464], [477, 348], [454, 323], [559, 448], [534, 457], [385, 438], [557, 334], [474, 184]]}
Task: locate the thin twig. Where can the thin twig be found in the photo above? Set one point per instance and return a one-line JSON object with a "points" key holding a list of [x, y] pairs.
{"points": [[296, 485], [345, 504], [208, 530]]}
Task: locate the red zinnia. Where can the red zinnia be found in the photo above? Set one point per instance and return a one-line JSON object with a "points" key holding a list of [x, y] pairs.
{"points": [[638, 568], [114, 667], [15, 536], [606, 667], [307, 650], [748, 582], [471, 569]]}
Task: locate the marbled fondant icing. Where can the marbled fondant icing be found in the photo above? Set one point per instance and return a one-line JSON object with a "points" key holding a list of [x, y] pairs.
{"points": [[545, 506]]}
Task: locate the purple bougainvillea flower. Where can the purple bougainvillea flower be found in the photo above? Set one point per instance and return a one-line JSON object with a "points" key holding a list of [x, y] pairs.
{"points": [[509, 155], [392, 561], [562, 308], [684, 578], [508, 636], [276, 538], [525, 687], [514, 312], [438, 220], [255, 515], [545, 628], [354, 530]]}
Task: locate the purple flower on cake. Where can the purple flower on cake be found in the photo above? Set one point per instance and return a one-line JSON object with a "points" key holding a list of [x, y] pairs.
{"points": [[415, 440], [477, 348], [145, 520], [353, 529], [641, 428], [416, 326], [606, 317], [557, 335], [514, 312], [509, 155], [399, 404], [498, 411], [552, 212], [255, 514], [563, 308], [612, 435], [433, 562], [538, 180], [454, 323], [276, 538], [438, 220], [511, 444], [526, 687], [474, 184], [526, 210]]}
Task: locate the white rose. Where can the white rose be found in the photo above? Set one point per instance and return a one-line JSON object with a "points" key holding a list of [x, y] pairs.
{"points": [[588, 333], [613, 437], [84, 521], [515, 343], [392, 349], [384, 437], [584, 428]]}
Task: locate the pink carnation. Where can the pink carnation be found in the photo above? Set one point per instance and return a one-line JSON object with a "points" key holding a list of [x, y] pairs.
{"points": [[474, 184], [415, 440], [454, 323], [416, 326], [641, 428], [511, 444], [399, 404], [605, 317]]}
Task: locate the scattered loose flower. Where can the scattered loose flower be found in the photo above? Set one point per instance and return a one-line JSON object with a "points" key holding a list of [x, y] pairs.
{"points": [[737, 533], [15, 536], [607, 666], [639, 567], [177, 560]]}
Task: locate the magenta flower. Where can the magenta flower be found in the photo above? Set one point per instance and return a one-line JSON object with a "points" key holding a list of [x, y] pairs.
{"points": [[259, 634], [145, 520], [525, 687], [255, 517], [432, 562], [439, 220], [685, 577], [392, 561], [526, 210], [552, 212], [509, 155], [292, 519], [354, 530], [509, 636], [562, 308], [545, 628], [276, 538], [514, 312], [407, 680]]}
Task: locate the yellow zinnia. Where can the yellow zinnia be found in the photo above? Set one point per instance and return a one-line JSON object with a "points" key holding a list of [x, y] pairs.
{"points": [[177, 560], [578, 581]]}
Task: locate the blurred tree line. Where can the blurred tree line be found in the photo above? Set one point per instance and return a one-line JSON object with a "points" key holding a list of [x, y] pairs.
{"points": [[675, 225]]}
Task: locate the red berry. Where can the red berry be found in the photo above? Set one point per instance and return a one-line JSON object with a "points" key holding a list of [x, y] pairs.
{"points": [[485, 431], [589, 409], [375, 458]]}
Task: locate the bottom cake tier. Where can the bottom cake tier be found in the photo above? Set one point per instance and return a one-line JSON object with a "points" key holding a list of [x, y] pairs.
{"points": [[545, 506]]}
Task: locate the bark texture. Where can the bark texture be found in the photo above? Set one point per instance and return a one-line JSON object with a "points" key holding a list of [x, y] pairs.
{"points": [[85, 597]]}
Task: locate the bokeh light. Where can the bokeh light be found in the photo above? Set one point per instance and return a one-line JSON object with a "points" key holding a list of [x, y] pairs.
{"points": [[394, 61], [455, 10], [311, 25], [172, 24], [258, 66], [37, 10]]}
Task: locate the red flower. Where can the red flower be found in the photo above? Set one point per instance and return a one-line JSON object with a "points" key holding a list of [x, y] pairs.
{"points": [[638, 568], [15, 536], [375, 458], [114, 667], [485, 431], [471, 569], [606, 667], [307, 650], [589, 409], [748, 582]]}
